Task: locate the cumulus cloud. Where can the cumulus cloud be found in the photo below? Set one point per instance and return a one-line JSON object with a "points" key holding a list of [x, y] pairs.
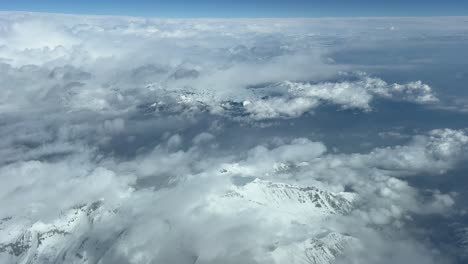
{"points": [[292, 99]]}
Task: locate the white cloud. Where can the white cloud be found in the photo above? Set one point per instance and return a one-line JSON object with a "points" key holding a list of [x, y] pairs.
{"points": [[298, 98], [129, 140], [37, 35], [181, 185]]}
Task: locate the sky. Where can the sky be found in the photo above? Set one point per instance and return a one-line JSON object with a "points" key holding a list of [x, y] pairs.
{"points": [[244, 8]]}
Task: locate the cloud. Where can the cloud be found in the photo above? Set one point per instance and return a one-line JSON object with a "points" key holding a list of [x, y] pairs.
{"points": [[176, 189], [292, 99], [130, 140], [37, 35]]}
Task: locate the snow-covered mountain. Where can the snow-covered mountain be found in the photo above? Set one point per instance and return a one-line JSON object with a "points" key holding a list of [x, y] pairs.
{"points": [[291, 204], [288, 199], [322, 249], [66, 239], [461, 238], [61, 240]]}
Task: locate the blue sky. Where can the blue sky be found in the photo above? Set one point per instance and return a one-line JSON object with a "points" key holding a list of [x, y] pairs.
{"points": [[245, 8]]}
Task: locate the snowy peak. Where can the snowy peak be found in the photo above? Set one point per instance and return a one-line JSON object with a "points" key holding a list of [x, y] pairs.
{"points": [[282, 195], [282, 201], [289, 205], [23, 241], [321, 250], [461, 236]]}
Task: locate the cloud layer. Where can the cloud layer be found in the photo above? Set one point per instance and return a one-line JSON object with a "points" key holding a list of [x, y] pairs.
{"points": [[131, 140]]}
